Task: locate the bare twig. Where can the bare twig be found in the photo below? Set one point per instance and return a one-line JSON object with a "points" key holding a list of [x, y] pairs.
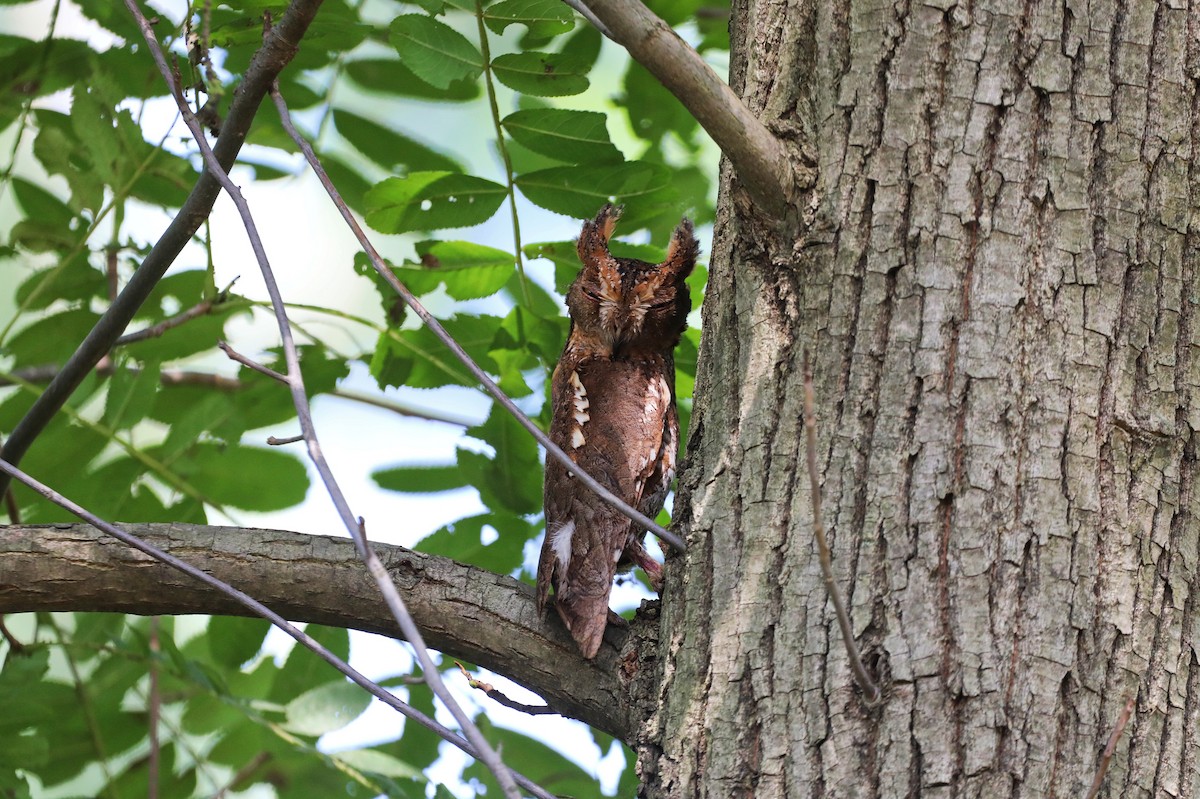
{"points": [[13, 642], [13, 510], [401, 409], [44, 373], [861, 676], [110, 271], [587, 14], [234, 355], [552, 449], [267, 63], [258, 609], [279, 442], [1111, 747], [759, 158], [295, 381], [243, 773], [154, 331], [501, 698]]}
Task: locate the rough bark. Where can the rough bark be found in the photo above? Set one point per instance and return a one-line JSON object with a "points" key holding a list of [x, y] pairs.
{"points": [[469, 613], [998, 282]]}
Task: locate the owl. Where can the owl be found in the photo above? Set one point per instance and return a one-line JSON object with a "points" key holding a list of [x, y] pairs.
{"points": [[613, 401]]}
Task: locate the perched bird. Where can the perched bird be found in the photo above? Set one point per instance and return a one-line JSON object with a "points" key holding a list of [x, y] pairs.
{"points": [[613, 399]]}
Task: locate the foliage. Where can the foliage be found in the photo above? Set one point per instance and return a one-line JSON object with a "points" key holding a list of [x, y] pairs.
{"points": [[138, 443]]}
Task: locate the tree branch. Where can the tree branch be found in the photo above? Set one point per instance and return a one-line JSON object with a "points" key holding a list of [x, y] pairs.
{"points": [[249, 603], [270, 59], [487, 619], [759, 158], [870, 688]]}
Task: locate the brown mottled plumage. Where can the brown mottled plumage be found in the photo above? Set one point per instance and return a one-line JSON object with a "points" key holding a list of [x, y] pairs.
{"points": [[613, 397]]}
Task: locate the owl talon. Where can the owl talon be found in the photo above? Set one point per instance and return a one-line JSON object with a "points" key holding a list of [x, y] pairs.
{"points": [[653, 570]]}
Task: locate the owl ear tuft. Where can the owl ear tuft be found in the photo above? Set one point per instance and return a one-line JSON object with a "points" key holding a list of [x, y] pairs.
{"points": [[593, 245], [682, 252]]}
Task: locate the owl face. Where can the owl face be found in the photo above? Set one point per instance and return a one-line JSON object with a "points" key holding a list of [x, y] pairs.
{"points": [[625, 304]]}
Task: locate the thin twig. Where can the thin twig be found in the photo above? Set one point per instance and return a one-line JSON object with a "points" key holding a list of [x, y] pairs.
{"points": [[295, 381], [43, 373], [270, 59], [861, 676], [155, 331], [258, 609], [279, 442], [502, 148], [587, 14], [552, 449], [14, 644], [401, 409], [1111, 747], [234, 355], [243, 773], [110, 270], [501, 698], [759, 158]]}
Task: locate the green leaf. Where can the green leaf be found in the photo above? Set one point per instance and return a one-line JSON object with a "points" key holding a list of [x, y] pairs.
{"points": [[303, 670], [432, 200], [326, 708], [39, 204], [72, 281], [536, 761], [584, 44], [61, 152], [542, 74], [391, 76], [543, 18], [232, 640], [468, 270], [419, 359], [376, 762], [348, 180], [131, 395], [435, 52], [512, 478], [244, 477], [462, 541], [389, 149], [573, 137], [52, 339], [420, 479], [35, 235], [195, 336], [654, 111], [579, 191]]}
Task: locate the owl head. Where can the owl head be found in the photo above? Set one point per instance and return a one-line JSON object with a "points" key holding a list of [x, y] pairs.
{"points": [[627, 304]]}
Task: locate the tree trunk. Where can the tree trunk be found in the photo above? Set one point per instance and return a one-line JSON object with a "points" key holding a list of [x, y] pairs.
{"points": [[997, 279]]}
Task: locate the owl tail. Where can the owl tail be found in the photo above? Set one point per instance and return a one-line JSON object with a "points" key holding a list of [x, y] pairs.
{"points": [[582, 588], [586, 617]]}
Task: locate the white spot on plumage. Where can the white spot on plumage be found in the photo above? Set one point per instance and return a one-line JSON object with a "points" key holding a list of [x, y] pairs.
{"points": [[560, 542], [580, 400]]}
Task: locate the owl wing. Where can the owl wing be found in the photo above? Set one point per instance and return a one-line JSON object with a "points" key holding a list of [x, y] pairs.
{"points": [[611, 417]]}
